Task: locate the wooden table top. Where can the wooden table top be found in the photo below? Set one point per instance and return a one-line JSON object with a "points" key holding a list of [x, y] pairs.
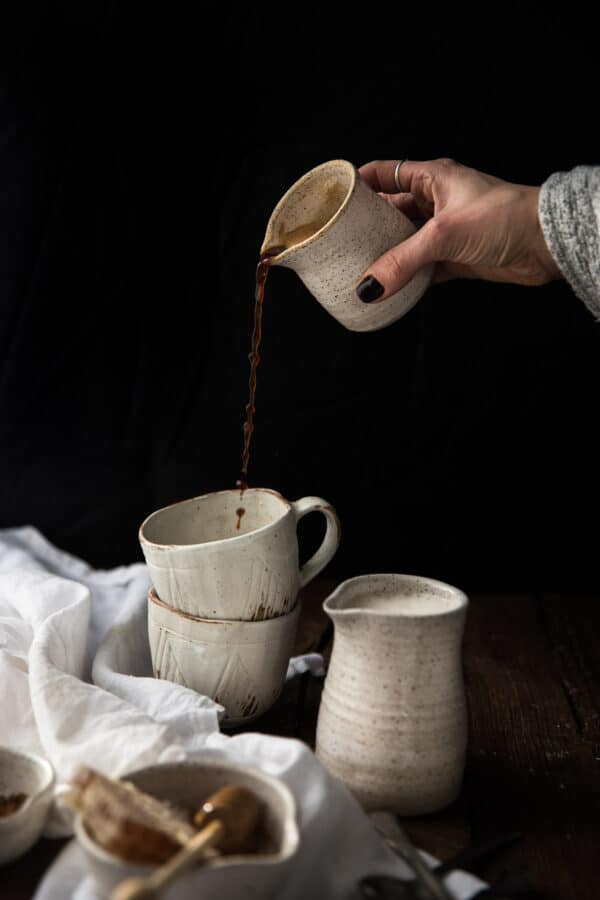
{"points": [[532, 671]]}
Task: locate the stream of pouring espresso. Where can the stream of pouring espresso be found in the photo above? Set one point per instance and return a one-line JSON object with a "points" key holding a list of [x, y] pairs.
{"points": [[266, 259], [262, 272]]}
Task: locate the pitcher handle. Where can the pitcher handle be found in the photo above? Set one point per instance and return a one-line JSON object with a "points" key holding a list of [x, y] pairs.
{"points": [[330, 542]]}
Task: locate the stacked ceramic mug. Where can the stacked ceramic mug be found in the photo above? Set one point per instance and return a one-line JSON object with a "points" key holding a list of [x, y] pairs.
{"points": [[223, 610]]}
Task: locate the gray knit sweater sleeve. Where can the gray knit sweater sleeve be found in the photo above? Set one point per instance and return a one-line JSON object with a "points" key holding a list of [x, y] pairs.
{"points": [[569, 210]]}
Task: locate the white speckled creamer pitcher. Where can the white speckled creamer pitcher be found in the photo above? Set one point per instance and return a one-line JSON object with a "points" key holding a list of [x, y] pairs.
{"points": [[392, 723], [333, 227]]}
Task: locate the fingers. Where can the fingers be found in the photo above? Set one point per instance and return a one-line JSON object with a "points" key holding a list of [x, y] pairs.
{"points": [[425, 190], [396, 267], [417, 178], [405, 203], [379, 175]]}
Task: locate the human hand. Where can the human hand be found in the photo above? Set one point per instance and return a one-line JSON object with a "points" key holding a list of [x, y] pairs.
{"points": [[474, 226]]}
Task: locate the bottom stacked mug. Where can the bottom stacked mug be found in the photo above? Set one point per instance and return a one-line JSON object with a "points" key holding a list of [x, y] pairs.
{"points": [[241, 665]]}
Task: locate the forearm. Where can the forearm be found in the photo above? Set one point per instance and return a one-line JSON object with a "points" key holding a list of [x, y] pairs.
{"points": [[569, 207]]}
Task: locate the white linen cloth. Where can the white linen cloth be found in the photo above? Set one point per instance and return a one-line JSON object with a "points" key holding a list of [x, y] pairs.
{"points": [[77, 688]]}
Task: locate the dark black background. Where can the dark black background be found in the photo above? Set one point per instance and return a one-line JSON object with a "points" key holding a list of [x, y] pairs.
{"points": [[142, 149]]}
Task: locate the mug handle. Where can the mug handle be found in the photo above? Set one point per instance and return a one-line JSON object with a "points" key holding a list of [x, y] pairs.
{"points": [[331, 541]]}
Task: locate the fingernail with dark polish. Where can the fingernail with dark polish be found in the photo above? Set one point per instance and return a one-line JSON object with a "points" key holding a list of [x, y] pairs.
{"points": [[369, 289]]}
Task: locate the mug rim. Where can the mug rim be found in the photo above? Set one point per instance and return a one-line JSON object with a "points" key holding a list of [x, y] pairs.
{"points": [[177, 548], [462, 600], [270, 624], [355, 176]]}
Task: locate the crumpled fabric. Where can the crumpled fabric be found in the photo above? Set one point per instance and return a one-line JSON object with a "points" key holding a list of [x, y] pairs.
{"points": [[77, 688]]}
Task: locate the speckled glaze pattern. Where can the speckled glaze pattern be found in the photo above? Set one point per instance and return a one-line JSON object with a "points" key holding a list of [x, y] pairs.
{"points": [[360, 227], [392, 722], [24, 773], [186, 785], [201, 564], [241, 665]]}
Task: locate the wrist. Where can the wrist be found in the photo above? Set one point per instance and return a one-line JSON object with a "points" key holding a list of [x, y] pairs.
{"points": [[539, 247]]}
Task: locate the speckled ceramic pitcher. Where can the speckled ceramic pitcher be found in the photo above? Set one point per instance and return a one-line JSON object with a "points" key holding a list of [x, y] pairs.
{"points": [[392, 723], [333, 226]]}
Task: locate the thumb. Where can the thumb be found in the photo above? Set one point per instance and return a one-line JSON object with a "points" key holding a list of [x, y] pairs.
{"points": [[395, 268]]}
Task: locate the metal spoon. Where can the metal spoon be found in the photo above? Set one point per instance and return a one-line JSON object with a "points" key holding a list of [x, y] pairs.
{"points": [[397, 839]]}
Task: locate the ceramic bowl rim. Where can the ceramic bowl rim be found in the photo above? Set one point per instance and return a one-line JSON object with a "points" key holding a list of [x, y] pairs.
{"points": [[355, 177], [42, 765], [267, 624], [291, 831], [182, 548], [460, 596]]}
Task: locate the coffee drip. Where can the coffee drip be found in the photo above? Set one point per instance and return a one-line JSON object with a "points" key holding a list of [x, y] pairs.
{"points": [[262, 272], [285, 240], [266, 259]]}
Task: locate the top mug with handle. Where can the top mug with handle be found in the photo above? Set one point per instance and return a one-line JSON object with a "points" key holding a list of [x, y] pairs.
{"points": [[226, 556], [332, 227]]}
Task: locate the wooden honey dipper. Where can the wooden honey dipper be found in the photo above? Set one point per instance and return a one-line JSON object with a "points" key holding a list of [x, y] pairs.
{"points": [[227, 822]]}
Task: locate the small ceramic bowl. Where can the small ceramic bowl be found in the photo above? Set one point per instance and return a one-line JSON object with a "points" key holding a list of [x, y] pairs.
{"points": [[23, 773], [187, 785], [241, 665]]}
